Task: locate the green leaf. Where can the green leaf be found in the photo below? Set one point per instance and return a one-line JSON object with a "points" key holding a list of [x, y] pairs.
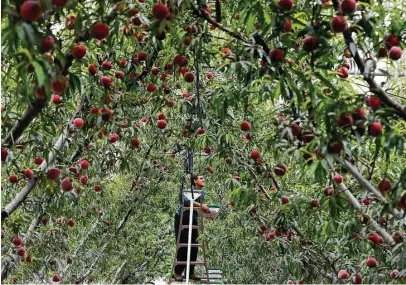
{"points": [[283, 88], [29, 31], [39, 72], [250, 23], [25, 52]]}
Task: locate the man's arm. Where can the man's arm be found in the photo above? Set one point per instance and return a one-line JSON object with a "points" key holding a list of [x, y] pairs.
{"points": [[205, 208]]}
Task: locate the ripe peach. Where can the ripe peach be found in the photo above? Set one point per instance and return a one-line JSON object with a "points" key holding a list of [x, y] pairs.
{"points": [[245, 126], [56, 278], [17, 240], [357, 279], [374, 102], [31, 10], [107, 65], [66, 184], [21, 251], [276, 55], [84, 164], [47, 44], [92, 69], [142, 56], [348, 6], [79, 51], [113, 138], [189, 77], [395, 53], [255, 154], [28, 173], [106, 81], [38, 160], [315, 202], [310, 43], [345, 120], [384, 186], [358, 114], [79, 123], [342, 72], [339, 24], [343, 274], [338, 179], [375, 129], [285, 5], [287, 26], [155, 70], [100, 31], [162, 124], [56, 99], [371, 262], [391, 41], [160, 11], [84, 179], [151, 87], [13, 178], [53, 174], [280, 169], [394, 273], [71, 223]]}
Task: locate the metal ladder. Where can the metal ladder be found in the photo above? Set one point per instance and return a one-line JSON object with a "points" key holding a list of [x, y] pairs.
{"points": [[195, 195]]}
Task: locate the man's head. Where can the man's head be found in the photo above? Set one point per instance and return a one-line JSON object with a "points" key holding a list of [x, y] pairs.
{"points": [[198, 180]]}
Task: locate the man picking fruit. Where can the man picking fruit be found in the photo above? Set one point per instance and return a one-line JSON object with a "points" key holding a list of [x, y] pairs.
{"points": [[197, 184]]}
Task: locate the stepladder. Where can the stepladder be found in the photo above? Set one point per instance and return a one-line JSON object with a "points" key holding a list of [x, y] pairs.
{"points": [[193, 196]]}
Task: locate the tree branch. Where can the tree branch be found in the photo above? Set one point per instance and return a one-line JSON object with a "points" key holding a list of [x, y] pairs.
{"points": [[373, 85], [79, 247], [203, 14], [367, 185], [120, 227], [39, 104], [9, 266], [22, 123], [60, 143], [357, 206]]}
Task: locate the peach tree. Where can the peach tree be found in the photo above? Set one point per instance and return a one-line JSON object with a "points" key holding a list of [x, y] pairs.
{"points": [[293, 110]]}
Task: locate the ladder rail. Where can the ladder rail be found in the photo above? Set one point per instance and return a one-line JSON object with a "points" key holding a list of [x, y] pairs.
{"points": [[203, 249], [177, 242], [189, 242], [190, 228]]}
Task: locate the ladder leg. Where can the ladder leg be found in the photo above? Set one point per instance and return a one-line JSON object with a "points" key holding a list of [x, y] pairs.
{"points": [[176, 250], [189, 241], [203, 249]]}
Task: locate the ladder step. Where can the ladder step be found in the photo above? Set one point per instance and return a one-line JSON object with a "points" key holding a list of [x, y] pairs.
{"points": [[192, 262], [193, 245], [188, 208], [187, 226], [210, 281], [215, 276]]}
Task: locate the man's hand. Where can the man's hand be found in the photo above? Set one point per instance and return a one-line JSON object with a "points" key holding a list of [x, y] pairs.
{"points": [[205, 208]]}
